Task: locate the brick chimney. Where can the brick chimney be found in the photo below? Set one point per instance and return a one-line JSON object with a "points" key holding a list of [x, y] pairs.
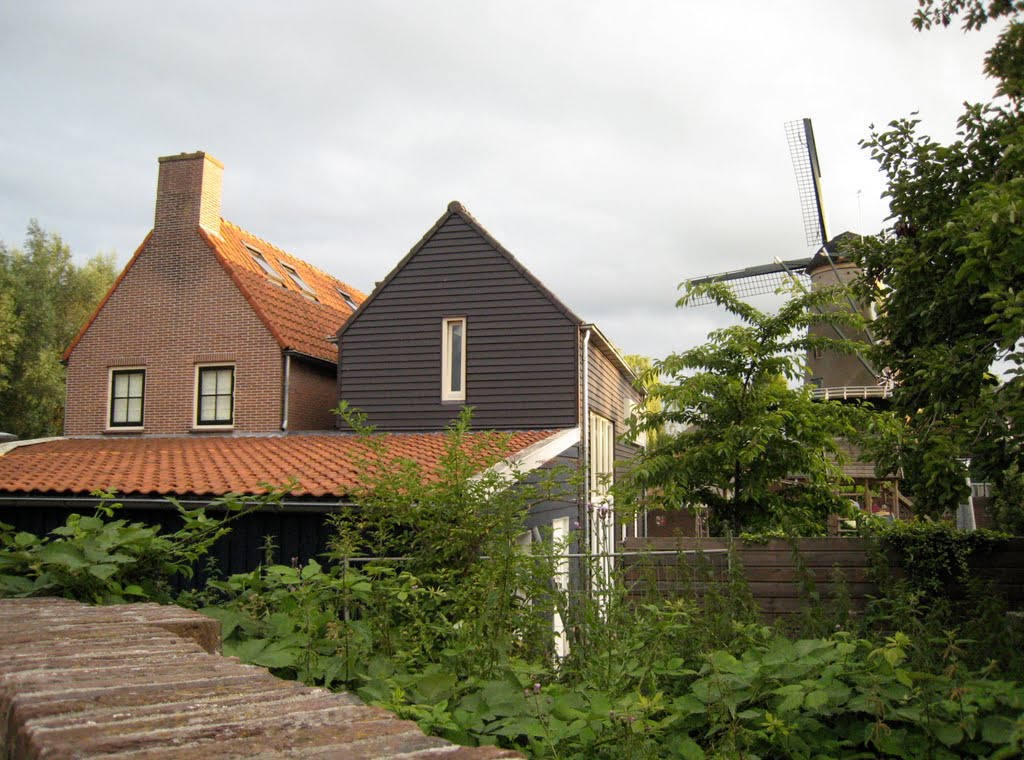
{"points": [[188, 193]]}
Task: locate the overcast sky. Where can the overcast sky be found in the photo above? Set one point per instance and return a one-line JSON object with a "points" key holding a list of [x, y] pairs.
{"points": [[616, 148]]}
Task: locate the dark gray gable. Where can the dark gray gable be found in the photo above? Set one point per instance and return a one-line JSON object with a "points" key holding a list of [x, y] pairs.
{"points": [[456, 211], [522, 343]]}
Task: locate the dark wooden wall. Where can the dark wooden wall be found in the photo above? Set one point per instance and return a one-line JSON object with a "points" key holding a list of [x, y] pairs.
{"points": [[521, 349], [775, 581], [301, 535]]}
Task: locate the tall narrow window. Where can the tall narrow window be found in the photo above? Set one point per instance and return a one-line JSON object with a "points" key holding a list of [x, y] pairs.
{"points": [[127, 397], [215, 397], [453, 359]]}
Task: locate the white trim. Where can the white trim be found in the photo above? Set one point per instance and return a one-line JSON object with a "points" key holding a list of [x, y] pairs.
{"points": [[533, 456], [107, 427], [195, 395], [12, 445], [559, 535], [447, 394]]}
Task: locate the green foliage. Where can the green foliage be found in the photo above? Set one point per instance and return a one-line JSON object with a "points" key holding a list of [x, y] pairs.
{"points": [[935, 554], [101, 560], [44, 299], [948, 278], [740, 431]]}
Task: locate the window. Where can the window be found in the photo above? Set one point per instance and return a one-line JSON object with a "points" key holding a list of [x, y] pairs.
{"points": [[272, 273], [303, 286], [127, 397], [453, 359], [601, 473], [215, 395], [347, 298]]}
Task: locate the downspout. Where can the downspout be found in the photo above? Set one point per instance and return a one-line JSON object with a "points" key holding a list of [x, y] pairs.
{"points": [[287, 384], [585, 438]]}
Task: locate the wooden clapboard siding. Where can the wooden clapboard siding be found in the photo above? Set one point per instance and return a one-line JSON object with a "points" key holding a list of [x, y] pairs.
{"points": [[776, 582], [521, 344], [609, 390]]}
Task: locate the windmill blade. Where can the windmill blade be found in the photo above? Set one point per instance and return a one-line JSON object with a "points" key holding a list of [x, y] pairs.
{"points": [[804, 153], [754, 281]]}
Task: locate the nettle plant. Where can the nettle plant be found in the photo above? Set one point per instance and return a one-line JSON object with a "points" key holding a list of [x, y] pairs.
{"points": [[99, 559]]}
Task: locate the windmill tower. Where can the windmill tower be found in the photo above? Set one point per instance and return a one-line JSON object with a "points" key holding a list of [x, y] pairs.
{"points": [[833, 375]]}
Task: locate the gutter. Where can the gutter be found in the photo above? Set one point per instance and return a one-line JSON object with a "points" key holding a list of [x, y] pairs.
{"points": [[287, 383], [162, 505]]}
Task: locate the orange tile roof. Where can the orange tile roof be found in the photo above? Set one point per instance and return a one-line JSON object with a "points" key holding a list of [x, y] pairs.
{"points": [[324, 465], [296, 321]]}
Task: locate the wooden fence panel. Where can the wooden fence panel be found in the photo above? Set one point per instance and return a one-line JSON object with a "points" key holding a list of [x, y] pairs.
{"points": [[777, 577]]}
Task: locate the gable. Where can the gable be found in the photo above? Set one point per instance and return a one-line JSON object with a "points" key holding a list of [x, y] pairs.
{"points": [[521, 343], [460, 251]]}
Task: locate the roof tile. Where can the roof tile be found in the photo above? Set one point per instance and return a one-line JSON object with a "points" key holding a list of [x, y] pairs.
{"points": [[297, 322], [324, 465]]}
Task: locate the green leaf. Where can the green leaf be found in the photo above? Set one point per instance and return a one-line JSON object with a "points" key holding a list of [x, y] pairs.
{"points": [[949, 734], [63, 553]]}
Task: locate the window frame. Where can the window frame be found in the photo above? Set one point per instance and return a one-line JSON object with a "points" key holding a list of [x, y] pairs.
{"points": [[197, 397], [264, 264], [448, 393], [302, 285], [125, 426]]}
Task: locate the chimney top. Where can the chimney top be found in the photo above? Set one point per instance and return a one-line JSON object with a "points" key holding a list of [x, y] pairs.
{"points": [[188, 193]]}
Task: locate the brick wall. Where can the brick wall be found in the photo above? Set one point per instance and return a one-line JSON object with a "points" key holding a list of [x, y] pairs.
{"points": [[175, 307], [312, 394]]}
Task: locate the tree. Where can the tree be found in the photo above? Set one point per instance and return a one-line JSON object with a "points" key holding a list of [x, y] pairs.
{"points": [[44, 300], [948, 277], [737, 437]]}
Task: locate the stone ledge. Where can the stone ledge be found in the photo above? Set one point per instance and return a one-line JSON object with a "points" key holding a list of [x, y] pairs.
{"points": [[146, 682]]}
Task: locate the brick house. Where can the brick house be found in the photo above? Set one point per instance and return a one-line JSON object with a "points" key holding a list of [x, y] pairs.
{"points": [[208, 328], [211, 366]]}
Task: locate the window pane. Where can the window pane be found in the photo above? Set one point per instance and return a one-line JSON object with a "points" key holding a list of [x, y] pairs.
{"points": [[207, 408], [120, 386], [135, 410], [119, 411], [207, 382], [223, 408], [456, 350], [224, 380], [135, 384]]}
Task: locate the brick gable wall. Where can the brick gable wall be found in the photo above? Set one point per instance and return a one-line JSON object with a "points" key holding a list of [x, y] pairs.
{"points": [[175, 307]]}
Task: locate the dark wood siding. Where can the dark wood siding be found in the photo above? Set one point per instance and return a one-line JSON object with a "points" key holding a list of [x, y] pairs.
{"points": [[609, 390], [296, 535], [520, 348]]}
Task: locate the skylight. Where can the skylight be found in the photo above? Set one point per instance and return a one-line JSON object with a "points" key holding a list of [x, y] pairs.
{"points": [[272, 273], [347, 299], [303, 286]]}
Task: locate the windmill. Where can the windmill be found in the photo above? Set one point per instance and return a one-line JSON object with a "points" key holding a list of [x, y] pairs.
{"points": [[834, 375]]}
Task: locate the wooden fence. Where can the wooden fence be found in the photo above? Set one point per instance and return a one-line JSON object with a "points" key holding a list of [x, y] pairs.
{"points": [[777, 576]]}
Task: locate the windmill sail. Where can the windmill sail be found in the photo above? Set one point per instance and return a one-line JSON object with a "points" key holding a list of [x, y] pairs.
{"points": [[804, 153], [755, 281]]}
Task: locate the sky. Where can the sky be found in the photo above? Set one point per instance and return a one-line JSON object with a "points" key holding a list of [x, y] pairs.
{"points": [[615, 148]]}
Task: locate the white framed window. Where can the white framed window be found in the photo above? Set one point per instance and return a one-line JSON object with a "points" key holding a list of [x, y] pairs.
{"points": [[215, 395], [601, 473], [127, 399], [453, 359]]}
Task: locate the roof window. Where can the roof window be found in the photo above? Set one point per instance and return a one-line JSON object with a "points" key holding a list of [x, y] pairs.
{"points": [[347, 298], [303, 285], [272, 273]]}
